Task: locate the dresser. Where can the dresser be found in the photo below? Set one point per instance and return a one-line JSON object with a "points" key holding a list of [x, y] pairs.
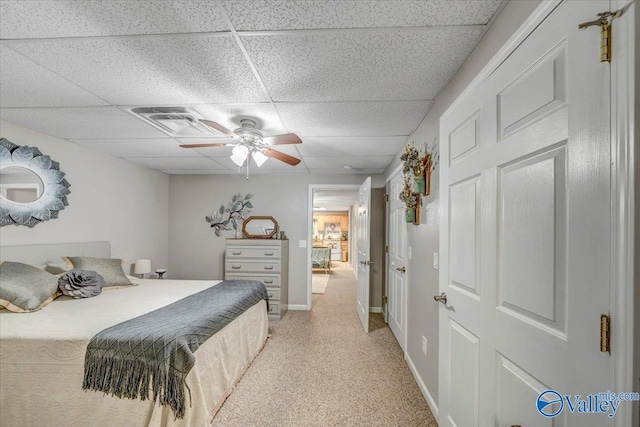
{"points": [[265, 260]]}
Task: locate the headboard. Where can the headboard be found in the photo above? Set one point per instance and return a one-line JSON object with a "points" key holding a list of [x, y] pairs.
{"points": [[40, 255]]}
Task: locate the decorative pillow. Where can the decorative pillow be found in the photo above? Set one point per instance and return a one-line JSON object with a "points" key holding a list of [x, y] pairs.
{"points": [[80, 283], [109, 268], [25, 288], [56, 268]]}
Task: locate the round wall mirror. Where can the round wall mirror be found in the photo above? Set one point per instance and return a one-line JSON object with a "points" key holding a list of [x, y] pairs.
{"points": [[20, 185], [32, 186], [260, 227]]}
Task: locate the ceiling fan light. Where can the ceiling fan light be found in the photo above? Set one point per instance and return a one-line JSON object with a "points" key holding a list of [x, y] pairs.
{"points": [[239, 155], [259, 157]]}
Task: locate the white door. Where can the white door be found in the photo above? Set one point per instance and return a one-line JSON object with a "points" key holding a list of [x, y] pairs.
{"points": [[525, 196], [364, 245], [396, 261]]}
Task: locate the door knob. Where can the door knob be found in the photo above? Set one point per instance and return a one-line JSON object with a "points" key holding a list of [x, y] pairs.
{"points": [[402, 269], [441, 298]]}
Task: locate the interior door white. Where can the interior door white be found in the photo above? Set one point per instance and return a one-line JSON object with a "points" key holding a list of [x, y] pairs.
{"points": [[364, 247], [525, 232], [396, 261]]}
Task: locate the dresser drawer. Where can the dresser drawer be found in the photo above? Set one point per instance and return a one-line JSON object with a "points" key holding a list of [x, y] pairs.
{"points": [[274, 294], [255, 266], [269, 281], [274, 308], [261, 253]]}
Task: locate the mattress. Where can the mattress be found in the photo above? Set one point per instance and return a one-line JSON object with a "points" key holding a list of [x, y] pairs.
{"points": [[42, 359]]}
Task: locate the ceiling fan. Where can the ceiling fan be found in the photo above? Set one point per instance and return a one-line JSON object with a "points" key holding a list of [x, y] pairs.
{"points": [[249, 142]]}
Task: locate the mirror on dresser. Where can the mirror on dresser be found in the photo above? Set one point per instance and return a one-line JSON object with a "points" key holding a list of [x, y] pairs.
{"points": [[260, 227]]}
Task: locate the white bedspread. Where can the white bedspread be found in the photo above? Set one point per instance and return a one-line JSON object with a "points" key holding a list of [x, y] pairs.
{"points": [[42, 359]]}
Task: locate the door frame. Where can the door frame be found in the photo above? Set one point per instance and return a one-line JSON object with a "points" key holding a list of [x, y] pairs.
{"points": [[313, 187], [622, 309]]}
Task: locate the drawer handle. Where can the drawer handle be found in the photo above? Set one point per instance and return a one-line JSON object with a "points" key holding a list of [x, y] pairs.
{"points": [[268, 281], [236, 253], [268, 253], [236, 267], [268, 267]]}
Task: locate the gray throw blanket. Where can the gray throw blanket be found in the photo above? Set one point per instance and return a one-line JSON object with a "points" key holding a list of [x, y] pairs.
{"points": [[155, 350]]}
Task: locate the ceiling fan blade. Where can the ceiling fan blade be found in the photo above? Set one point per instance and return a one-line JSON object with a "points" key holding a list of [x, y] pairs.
{"points": [[219, 127], [219, 144], [287, 138], [281, 156]]}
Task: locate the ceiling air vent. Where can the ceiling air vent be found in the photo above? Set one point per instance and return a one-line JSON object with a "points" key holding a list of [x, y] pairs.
{"points": [[176, 121]]}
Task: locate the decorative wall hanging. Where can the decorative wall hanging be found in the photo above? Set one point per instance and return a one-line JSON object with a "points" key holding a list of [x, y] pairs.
{"points": [[32, 187], [237, 211], [419, 166], [411, 202]]}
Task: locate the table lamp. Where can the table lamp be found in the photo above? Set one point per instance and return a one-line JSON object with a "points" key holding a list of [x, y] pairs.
{"points": [[142, 267]]}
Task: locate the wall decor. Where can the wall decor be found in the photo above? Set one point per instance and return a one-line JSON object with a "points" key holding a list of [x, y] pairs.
{"points": [[419, 166], [235, 213], [32, 187], [260, 227], [411, 202]]}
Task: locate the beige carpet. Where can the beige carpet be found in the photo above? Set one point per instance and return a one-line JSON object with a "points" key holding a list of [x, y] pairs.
{"points": [[319, 368], [319, 283]]}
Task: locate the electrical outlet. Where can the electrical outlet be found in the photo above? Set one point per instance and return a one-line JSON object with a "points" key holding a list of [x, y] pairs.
{"points": [[424, 345], [435, 260]]}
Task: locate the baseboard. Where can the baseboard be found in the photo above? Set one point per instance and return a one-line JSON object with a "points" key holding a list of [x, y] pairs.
{"points": [[302, 307], [422, 386], [375, 309]]}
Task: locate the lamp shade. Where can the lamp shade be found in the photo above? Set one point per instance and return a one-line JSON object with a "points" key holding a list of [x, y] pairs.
{"points": [[142, 266], [258, 157], [239, 154]]}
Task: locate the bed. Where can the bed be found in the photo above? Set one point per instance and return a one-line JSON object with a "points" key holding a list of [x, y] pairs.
{"points": [[42, 354], [321, 257]]}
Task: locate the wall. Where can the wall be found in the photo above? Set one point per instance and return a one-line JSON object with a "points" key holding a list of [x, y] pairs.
{"points": [[111, 200], [196, 253], [636, 299], [422, 310]]}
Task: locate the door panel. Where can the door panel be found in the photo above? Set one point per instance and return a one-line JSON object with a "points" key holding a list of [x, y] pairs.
{"points": [[396, 263], [364, 247], [525, 232]]}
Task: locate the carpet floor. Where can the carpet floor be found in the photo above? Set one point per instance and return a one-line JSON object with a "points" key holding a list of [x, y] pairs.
{"points": [[319, 283], [319, 368]]}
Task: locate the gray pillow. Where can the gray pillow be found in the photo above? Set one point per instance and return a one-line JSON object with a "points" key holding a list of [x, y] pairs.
{"points": [[25, 288], [109, 268], [80, 283]]}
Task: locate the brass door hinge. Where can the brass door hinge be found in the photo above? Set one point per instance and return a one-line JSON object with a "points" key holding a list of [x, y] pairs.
{"points": [[386, 248], [386, 197], [384, 299], [605, 333], [604, 22]]}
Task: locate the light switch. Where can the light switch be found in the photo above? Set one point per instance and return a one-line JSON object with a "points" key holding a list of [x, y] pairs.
{"points": [[409, 252], [435, 260], [302, 243]]}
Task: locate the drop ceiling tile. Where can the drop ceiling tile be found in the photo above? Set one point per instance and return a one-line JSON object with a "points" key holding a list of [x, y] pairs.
{"points": [[229, 115], [137, 147], [151, 70], [359, 162], [360, 65], [175, 163], [351, 146], [26, 84], [81, 123], [76, 18], [305, 14], [353, 118]]}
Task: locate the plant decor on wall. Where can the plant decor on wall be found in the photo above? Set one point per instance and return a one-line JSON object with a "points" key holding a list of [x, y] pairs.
{"points": [[419, 166], [411, 202], [233, 215]]}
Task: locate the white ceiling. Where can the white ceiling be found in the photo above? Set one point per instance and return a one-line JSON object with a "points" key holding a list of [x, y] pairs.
{"points": [[334, 200], [353, 78]]}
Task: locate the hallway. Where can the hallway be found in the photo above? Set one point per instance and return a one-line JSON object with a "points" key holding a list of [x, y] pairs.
{"points": [[320, 369]]}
